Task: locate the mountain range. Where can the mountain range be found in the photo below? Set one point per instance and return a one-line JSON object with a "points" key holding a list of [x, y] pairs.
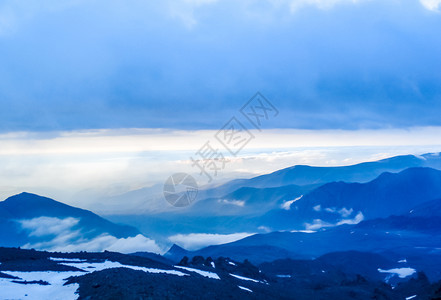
{"points": [[149, 200], [283, 199], [378, 220]]}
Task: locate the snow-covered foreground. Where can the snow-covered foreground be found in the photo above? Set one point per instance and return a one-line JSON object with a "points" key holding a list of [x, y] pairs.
{"points": [[55, 289]]}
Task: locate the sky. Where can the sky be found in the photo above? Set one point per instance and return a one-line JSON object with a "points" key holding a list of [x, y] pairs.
{"points": [[112, 96], [74, 64]]}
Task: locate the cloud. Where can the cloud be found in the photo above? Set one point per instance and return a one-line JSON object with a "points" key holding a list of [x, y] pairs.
{"points": [[344, 212], [132, 61], [14, 14], [357, 219], [185, 10], [55, 234], [433, 5], [239, 203], [264, 228], [194, 241], [287, 204], [44, 226], [135, 140], [295, 5], [64, 164], [7, 22], [100, 243], [318, 223]]}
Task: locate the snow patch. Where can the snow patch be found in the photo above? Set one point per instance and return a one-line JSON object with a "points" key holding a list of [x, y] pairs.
{"points": [[245, 289], [200, 272], [239, 203], [304, 231], [401, 272], [73, 260], [245, 278], [90, 267], [55, 290]]}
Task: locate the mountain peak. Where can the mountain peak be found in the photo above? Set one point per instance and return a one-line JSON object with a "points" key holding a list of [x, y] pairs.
{"points": [[26, 196], [27, 206], [176, 252], [176, 248], [28, 201]]}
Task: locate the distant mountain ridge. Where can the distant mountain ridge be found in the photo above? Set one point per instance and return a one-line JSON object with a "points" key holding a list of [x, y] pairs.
{"points": [[401, 214], [304, 207], [149, 201], [394, 234], [388, 194], [307, 175]]}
